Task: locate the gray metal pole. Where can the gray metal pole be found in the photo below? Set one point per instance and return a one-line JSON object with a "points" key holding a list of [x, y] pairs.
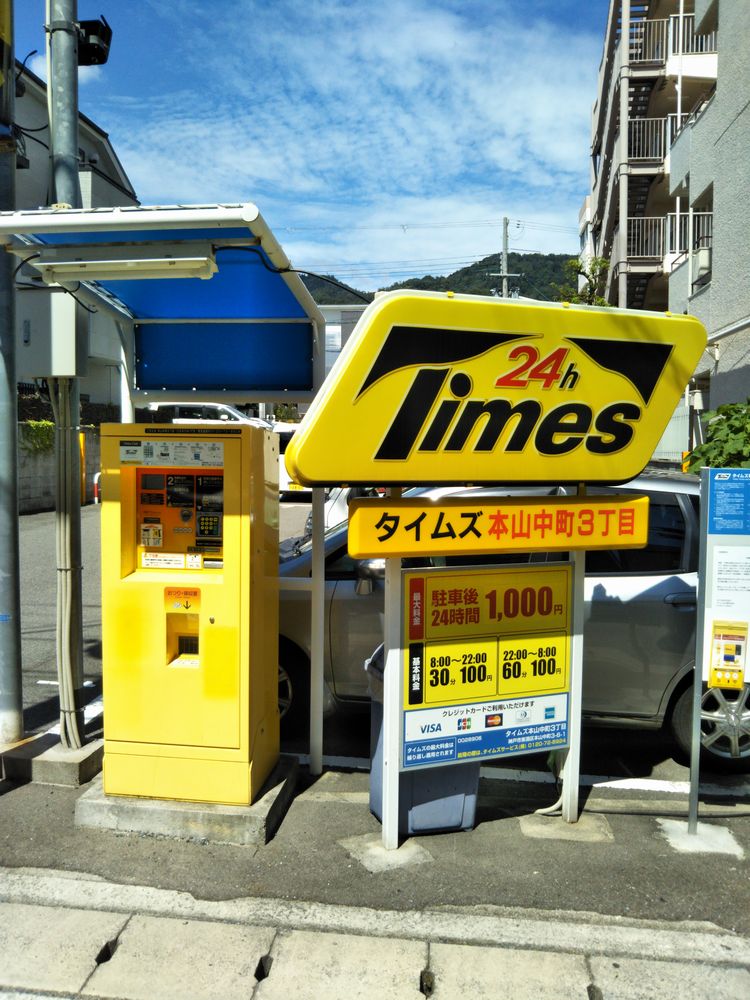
{"points": [[63, 84], [66, 190], [11, 695]]}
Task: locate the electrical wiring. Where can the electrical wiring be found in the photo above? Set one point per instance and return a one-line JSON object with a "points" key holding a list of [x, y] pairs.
{"points": [[32, 137], [23, 64], [294, 270], [33, 256]]}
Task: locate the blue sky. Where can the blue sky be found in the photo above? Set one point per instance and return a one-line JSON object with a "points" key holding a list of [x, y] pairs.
{"points": [[379, 138]]}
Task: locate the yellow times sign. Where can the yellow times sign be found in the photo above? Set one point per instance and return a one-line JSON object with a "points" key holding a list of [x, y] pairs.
{"points": [[466, 527], [486, 635], [441, 388]]}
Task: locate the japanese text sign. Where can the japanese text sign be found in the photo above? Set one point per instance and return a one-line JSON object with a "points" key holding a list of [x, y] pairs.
{"points": [[415, 526], [441, 388], [486, 662], [725, 541]]}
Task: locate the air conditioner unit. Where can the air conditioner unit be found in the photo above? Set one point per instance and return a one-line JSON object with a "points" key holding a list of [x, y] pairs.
{"points": [[701, 263]]}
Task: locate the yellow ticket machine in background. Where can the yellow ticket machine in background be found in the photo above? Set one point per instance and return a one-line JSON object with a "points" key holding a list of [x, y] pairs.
{"points": [[189, 610]]}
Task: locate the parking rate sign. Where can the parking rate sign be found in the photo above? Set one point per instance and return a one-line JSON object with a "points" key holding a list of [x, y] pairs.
{"points": [[726, 577], [486, 663]]}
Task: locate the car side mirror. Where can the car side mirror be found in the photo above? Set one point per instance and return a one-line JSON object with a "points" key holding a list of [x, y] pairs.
{"points": [[369, 570]]}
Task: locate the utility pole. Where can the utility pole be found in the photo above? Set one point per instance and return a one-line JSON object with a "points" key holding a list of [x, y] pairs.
{"points": [[504, 261], [504, 264], [11, 692], [63, 31]]}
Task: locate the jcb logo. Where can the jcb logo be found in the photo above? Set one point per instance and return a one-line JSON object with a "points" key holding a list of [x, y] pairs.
{"points": [[547, 394]]}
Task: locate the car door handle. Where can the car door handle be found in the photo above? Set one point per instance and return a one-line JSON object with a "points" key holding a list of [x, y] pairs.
{"points": [[681, 600]]}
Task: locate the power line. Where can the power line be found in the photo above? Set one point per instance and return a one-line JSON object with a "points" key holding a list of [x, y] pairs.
{"points": [[442, 224]]}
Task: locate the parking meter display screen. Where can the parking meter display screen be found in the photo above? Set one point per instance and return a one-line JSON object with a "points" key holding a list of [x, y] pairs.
{"points": [[180, 518], [486, 662]]}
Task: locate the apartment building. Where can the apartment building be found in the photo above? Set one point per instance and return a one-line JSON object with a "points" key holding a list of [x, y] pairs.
{"points": [[670, 178], [709, 178]]}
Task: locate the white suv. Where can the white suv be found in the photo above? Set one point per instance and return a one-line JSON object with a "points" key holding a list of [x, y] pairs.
{"points": [[203, 413]]}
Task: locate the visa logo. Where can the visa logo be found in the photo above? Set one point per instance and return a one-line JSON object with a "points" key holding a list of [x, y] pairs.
{"points": [[431, 727]]}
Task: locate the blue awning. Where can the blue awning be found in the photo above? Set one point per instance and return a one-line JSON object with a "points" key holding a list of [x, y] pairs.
{"points": [[251, 328]]}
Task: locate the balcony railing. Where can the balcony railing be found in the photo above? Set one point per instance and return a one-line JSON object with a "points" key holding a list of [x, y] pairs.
{"points": [[653, 41], [653, 237], [647, 138], [648, 40], [677, 232], [690, 43], [675, 126], [646, 236]]}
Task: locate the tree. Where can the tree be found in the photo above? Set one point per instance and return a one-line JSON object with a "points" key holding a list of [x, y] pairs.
{"points": [[727, 443], [593, 270]]}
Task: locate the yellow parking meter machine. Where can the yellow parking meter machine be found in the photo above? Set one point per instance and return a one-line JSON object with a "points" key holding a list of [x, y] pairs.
{"points": [[190, 528]]}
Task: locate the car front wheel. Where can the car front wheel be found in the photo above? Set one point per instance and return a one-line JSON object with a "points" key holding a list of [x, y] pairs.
{"points": [[725, 727], [294, 693]]}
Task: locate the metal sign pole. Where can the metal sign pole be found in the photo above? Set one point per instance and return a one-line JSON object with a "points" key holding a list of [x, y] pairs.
{"points": [[572, 769], [695, 742], [317, 633], [392, 698]]}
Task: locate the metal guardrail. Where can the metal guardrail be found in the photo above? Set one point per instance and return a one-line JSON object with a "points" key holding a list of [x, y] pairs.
{"points": [[653, 41], [647, 138], [646, 236], [652, 237]]}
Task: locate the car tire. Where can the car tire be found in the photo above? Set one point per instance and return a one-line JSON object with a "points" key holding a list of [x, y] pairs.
{"points": [[294, 691], [725, 722]]}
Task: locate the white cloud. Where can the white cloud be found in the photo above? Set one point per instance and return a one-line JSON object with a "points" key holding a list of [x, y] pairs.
{"points": [[346, 117], [86, 74]]}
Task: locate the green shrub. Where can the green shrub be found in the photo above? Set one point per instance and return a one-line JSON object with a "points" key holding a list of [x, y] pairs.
{"points": [[727, 443], [37, 436]]}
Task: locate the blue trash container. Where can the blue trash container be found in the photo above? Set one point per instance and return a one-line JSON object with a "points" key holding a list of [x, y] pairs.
{"points": [[430, 800]]}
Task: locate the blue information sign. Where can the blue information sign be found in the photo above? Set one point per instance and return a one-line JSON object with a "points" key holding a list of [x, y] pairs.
{"points": [[729, 502]]}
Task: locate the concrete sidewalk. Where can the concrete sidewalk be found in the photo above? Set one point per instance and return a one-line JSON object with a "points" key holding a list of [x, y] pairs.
{"points": [[69, 936], [616, 906]]}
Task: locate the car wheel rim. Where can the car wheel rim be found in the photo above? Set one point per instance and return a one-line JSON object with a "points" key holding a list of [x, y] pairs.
{"points": [[285, 692], [725, 722]]}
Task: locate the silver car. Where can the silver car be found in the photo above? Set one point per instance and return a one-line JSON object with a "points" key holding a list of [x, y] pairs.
{"points": [[639, 634]]}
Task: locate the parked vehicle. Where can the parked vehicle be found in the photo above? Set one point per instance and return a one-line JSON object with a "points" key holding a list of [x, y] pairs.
{"points": [[336, 508], [639, 633], [202, 413], [286, 486], [222, 413]]}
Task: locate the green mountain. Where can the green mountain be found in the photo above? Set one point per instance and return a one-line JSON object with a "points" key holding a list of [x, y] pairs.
{"points": [[538, 273]]}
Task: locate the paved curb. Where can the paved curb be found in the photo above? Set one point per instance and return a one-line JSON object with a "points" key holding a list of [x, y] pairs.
{"points": [[554, 931]]}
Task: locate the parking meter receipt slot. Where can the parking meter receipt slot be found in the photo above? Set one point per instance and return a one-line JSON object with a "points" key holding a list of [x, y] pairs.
{"points": [[180, 518]]}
